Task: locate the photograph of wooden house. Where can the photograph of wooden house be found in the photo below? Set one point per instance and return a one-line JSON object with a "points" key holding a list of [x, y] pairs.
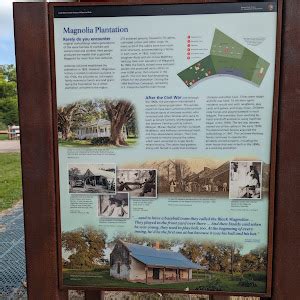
{"points": [[92, 178], [97, 122], [99, 128], [145, 264], [137, 182]]}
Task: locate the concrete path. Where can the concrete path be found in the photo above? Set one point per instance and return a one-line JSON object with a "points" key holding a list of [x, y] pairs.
{"points": [[9, 146]]}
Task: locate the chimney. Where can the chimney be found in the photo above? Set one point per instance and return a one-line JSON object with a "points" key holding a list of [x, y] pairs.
{"points": [[156, 246]]}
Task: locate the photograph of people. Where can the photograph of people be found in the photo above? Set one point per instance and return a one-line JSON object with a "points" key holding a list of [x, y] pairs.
{"points": [[92, 178], [245, 179], [116, 206], [138, 183]]}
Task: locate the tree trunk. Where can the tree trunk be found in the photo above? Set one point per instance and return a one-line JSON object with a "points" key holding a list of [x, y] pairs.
{"points": [[116, 134], [119, 112]]}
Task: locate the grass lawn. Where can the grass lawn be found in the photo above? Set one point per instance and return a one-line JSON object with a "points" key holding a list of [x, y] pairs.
{"points": [[101, 278], [10, 180], [87, 143], [3, 137]]}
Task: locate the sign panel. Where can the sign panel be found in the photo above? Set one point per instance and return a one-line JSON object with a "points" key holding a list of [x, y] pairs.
{"points": [[164, 145]]}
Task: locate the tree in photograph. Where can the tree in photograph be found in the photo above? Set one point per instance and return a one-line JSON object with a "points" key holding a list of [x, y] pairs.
{"points": [[75, 115], [248, 263], [195, 252], [261, 256], [130, 238], [230, 257], [65, 118], [86, 246], [119, 112]]}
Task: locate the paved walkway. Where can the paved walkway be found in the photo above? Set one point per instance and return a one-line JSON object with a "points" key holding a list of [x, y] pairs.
{"points": [[12, 256], [9, 146]]}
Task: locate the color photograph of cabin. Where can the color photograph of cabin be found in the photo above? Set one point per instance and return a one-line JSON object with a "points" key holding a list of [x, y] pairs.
{"points": [[92, 178], [90, 258], [100, 128], [149, 265], [99, 122]]}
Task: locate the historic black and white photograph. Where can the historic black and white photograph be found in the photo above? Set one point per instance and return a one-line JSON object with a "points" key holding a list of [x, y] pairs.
{"points": [[138, 182], [115, 206], [245, 179], [92, 178], [189, 176]]}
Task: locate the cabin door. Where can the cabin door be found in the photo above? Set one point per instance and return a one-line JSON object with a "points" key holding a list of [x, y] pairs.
{"points": [[155, 273]]}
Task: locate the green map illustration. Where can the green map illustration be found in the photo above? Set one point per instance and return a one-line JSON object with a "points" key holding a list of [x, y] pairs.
{"points": [[227, 56]]}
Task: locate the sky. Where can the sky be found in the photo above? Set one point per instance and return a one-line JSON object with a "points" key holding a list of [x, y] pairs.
{"points": [[7, 50], [7, 45]]}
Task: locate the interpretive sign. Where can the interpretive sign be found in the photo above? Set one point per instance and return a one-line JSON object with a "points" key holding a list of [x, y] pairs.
{"points": [[165, 117]]}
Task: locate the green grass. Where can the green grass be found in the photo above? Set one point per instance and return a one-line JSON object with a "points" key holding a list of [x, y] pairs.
{"points": [[87, 143], [3, 137], [10, 180], [103, 279]]}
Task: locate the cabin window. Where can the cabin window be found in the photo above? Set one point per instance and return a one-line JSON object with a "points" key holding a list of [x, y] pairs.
{"points": [[119, 268]]}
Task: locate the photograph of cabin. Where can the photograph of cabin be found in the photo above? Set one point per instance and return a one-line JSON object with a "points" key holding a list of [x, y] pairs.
{"points": [[92, 178], [100, 128], [145, 264], [97, 122], [209, 180], [137, 182]]}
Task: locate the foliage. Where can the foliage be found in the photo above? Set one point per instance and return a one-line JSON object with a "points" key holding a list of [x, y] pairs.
{"points": [[256, 276], [10, 180], [8, 96], [103, 278], [86, 246], [3, 126], [216, 257], [142, 240], [100, 140], [9, 111], [119, 112], [247, 282], [213, 284]]}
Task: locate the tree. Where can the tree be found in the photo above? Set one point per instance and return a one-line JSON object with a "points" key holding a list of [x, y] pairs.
{"points": [[140, 240], [119, 113], [248, 263], [76, 114], [9, 111], [230, 257], [86, 246], [65, 118], [261, 256], [8, 96]]}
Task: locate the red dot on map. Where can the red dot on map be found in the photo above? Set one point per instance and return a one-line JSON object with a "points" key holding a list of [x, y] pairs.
{"points": [[189, 36], [188, 57]]}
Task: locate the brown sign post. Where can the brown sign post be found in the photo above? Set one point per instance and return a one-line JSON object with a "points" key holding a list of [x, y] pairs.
{"points": [[36, 75]]}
